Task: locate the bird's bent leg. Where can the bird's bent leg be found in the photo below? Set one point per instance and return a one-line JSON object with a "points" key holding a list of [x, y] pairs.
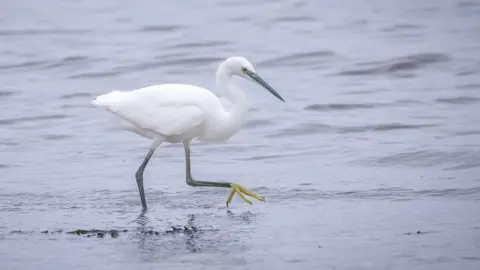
{"points": [[236, 188], [139, 177]]}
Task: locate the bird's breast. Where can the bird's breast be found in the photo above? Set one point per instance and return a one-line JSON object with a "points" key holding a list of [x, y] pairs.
{"points": [[220, 127]]}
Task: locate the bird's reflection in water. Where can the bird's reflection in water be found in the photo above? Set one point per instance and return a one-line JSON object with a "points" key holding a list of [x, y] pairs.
{"points": [[206, 233], [192, 235], [153, 240]]}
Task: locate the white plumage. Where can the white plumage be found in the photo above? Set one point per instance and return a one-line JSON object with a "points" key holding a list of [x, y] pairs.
{"points": [[179, 113], [168, 112]]}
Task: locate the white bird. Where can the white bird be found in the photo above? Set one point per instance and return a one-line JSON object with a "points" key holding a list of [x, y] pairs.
{"points": [[179, 113]]}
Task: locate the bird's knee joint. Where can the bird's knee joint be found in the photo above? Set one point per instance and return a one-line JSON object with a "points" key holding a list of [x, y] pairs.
{"points": [[139, 175]]}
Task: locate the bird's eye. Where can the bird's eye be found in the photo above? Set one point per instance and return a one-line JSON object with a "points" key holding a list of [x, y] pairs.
{"points": [[244, 69]]}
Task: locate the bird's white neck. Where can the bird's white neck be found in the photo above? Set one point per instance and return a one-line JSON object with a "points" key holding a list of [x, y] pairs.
{"points": [[234, 94]]}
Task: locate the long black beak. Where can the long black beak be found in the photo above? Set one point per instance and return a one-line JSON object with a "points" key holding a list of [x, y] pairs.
{"points": [[263, 83]]}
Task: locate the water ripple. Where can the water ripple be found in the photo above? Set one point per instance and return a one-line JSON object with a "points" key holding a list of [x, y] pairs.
{"points": [[35, 32], [193, 200], [56, 137], [401, 27], [300, 19], [189, 62], [72, 60], [161, 28], [301, 129], [311, 128], [384, 127], [13, 121], [4, 166], [6, 94], [391, 193], [75, 95], [26, 64], [407, 63], [261, 157], [252, 124], [474, 86], [461, 100], [312, 58], [343, 106], [205, 44], [455, 160]]}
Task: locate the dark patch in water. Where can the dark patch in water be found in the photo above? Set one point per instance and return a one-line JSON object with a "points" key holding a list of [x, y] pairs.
{"points": [[100, 233], [295, 19], [257, 123], [4, 166], [6, 93], [467, 71], [33, 32], [93, 75], [400, 27], [459, 100], [23, 65], [263, 157], [74, 95], [72, 60], [469, 86], [14, 121], [383, 127], [342, 106], [408, 102], [189, 45], [427, 158], [407, 63], [185, 63], [298, 59], [466, 164], [161, 28], [363, 92], [468, 4], [416, 233], [304, 129], [55, 137], [9, 143], [466, 133], [301, 129], [240, 19], [82, 105], [189, 62]]}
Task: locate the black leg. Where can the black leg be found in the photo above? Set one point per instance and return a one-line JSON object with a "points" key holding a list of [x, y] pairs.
{"points": [[195, 183], [139, 177]]}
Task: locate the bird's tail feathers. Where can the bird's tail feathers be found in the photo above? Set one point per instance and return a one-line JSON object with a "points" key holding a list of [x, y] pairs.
{"points": [[109, 99]]}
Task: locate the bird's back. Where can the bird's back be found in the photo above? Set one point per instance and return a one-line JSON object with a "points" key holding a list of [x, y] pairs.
{"points": [[160, 95], [167, 109]]}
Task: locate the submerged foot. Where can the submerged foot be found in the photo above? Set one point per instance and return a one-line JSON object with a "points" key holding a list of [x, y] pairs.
{"points": [[241, 191]]}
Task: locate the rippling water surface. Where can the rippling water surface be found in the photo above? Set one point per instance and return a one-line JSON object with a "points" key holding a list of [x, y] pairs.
{"points": [[372, 163]]}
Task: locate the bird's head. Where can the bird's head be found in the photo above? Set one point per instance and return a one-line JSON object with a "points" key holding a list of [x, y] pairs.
{"points": [[242, 67]]}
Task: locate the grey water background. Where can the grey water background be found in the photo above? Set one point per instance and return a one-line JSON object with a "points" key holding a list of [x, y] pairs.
{"points": [[379, 137]]}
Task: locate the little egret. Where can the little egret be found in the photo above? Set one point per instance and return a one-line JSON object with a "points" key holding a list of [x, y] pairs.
{"points": [[179, 113]]}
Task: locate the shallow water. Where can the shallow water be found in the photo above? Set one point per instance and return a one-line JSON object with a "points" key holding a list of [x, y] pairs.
{"points": [[372, 163]]}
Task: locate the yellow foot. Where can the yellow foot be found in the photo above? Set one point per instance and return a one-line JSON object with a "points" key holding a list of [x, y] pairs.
{"points": [[241, 191]]}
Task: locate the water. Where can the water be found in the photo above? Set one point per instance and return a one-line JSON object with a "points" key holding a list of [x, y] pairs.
{"points": [[372, 163]]}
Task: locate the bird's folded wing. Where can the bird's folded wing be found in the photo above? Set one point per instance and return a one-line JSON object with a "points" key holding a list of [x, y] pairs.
{"points": [[165, 119]]}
